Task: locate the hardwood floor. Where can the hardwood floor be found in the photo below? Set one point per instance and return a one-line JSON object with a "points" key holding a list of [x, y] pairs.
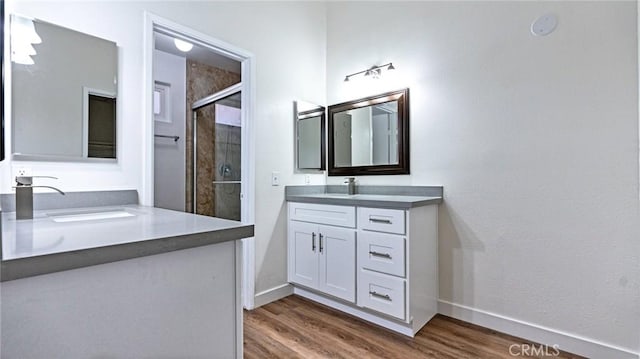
{"points": [[295, 327]]}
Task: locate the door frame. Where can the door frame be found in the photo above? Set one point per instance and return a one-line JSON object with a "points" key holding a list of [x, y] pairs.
{"points": [[154, 22]]}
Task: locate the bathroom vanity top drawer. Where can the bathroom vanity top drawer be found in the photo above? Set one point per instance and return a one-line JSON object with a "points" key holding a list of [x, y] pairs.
{"points": [[383, 293], [381, 220], [381, 252], [344, 216]]}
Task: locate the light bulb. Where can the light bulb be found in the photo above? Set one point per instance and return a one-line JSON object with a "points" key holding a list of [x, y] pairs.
{"points": [[183, 45]]}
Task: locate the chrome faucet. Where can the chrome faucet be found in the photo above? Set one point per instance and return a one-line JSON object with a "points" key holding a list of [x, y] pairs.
{"points": [[24, 195], [351, 183]]}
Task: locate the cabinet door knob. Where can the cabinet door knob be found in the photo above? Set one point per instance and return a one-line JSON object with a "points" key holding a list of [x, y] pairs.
{"points": [[313, 241], [320, 235]]}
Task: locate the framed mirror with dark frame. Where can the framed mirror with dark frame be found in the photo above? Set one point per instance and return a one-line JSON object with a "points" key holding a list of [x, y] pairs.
{"points": [[310, 136], [370, 136]]}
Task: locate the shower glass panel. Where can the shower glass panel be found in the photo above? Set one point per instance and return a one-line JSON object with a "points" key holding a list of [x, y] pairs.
{"points": [[217, 159]]}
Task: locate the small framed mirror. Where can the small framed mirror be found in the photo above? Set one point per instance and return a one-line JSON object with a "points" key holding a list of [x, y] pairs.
{"points": [[370, 136], [310, 136]]}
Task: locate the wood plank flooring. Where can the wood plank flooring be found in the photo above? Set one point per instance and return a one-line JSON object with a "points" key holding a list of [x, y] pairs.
{"points": [[295, 327]]}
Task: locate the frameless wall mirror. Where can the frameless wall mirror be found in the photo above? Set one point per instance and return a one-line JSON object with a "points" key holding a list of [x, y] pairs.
{"points": [[370, 136], [63, 93], [310, 124], [2, 80]]}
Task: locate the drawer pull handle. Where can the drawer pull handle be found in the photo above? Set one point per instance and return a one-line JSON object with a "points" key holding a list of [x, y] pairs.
{"points": [[378, 254], [313, 241], [320, 242], [379, 220], [382, 296]]}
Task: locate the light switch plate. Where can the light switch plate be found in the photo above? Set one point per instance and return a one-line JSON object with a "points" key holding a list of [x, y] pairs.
{"points": [[275, 178]]}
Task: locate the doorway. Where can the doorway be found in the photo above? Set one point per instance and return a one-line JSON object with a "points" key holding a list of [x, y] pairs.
{"points": [[231, 166]]}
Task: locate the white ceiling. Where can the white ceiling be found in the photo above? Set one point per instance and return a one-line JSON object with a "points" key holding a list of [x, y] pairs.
{"points": [[198, 53]]}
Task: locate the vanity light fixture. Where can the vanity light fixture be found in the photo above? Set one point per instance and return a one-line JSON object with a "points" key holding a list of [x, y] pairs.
{"points": [[374, 72], [183, 45]]}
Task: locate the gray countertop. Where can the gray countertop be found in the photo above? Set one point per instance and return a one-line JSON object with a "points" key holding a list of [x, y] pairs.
{"points": [[400, 197], [366, 200], [41, 245]]}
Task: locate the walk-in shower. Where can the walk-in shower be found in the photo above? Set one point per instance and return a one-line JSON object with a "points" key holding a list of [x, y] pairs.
{"points": [[217, 154]]}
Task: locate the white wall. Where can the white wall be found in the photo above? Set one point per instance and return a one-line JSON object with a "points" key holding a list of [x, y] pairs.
{"points": [[288, 40], [169, 155], [535, 140]]}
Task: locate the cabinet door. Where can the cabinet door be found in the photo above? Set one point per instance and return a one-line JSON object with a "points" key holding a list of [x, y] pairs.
{"points": [[303, 253], [337, 249]]}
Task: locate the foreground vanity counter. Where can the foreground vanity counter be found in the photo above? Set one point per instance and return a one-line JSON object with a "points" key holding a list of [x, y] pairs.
{"points": [[373, 254], [121, 280]]}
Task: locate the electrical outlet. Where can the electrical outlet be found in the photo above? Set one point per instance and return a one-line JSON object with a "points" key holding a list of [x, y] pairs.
{"points": [[22, 171], [275, 178], [307, 179]]}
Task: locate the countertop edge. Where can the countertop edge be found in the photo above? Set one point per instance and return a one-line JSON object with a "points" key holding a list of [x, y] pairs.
{"points": [[363, 202], [38, 265]]}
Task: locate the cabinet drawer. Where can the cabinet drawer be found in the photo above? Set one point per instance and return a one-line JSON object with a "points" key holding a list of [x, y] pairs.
{"points": [[383, 293], [381, 252], [381, 220], [344, 216]]}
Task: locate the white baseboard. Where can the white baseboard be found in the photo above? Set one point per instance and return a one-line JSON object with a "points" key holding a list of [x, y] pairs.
{"points": [[271, 295], [535, 333]]}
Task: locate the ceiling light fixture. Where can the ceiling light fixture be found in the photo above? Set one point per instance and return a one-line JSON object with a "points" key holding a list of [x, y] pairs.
{"points": [[374, 72], [183, 45]]}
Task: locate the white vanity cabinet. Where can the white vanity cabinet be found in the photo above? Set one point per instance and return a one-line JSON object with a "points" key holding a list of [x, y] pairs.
{"points": [[321, 253], [381, 263]]}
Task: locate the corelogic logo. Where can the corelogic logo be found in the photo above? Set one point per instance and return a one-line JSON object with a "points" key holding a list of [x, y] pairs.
{"points": [[535, 350]]}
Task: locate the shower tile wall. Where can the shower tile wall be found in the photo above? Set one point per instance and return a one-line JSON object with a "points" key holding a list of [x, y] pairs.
{"points": [[203, 80]]}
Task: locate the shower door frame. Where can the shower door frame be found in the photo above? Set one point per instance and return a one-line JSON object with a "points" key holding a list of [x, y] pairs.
{"points": [[203, 102], [248, 70]]}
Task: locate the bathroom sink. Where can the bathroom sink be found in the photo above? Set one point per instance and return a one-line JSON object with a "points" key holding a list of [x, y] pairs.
{"points": [[78, 216]]}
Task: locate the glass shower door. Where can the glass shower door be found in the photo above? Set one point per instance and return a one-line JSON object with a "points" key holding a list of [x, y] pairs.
{"points": [[217, 156]]}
